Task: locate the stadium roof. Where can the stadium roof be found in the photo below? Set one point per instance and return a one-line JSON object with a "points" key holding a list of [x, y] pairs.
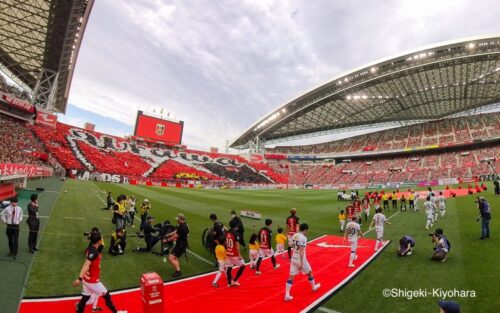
{"points": [[39, 46], [426, 84]]}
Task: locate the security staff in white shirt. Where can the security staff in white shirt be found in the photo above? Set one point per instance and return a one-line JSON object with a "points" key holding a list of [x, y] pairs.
{"points": [[12, 216]]}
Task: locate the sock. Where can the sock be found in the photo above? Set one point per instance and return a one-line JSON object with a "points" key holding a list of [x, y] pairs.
{"points": [[258, 264], [217, 277], [376, 244], [311, 281], [240, 271], [228, 275], [351, 258], [288, 287], [109, 303], [273, 260], [81, 304]]}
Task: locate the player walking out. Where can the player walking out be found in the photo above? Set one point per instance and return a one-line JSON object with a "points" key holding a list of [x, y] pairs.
{"points": [[434, 200], [379, 220], [429, 212], [233, 256], [265, 249], [299, 261], [90, 276], [365, 204], [292, 223], [442, 203], [353, 230]]}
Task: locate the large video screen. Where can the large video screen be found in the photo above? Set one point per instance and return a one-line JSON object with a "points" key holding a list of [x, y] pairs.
{"points": [[158, 129]]}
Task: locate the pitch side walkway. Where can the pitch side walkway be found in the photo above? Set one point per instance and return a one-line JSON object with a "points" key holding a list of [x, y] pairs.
{"points": [[14, 274], [328, 256]]}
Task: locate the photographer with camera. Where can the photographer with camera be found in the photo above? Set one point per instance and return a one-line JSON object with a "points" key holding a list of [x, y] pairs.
{"points": [[143, 212], [485, 216], [118, 242], [442, 246], [150, 236], [180, 236]]}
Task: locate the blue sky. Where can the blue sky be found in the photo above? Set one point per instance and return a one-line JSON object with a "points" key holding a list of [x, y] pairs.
{"points": [[222, 65]]}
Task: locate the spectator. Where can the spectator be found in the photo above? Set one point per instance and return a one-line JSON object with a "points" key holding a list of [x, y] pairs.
{"points": [[485, 216], [110, 201]]}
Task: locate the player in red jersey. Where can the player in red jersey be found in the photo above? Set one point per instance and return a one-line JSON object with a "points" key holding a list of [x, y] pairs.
{"points": [[357, 209], [365, 205], [265, 248], [292, 224], [90, 276], [233, 255], [351, 212]]}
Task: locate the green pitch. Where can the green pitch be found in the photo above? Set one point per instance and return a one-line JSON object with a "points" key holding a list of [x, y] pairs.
{"points": [[472, 264]]}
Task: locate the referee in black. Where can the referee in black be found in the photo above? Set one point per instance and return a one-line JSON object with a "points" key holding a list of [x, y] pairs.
{"points": [[12, 216], [33, 223]]}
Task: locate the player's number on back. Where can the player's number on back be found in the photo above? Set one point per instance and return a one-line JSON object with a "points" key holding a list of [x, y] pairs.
{"points": [[229, 242], [263, 239], [351, 231]]}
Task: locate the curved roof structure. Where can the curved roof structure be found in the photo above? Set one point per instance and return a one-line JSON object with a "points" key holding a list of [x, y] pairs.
{"points": [[426, 84], [40, 42]]}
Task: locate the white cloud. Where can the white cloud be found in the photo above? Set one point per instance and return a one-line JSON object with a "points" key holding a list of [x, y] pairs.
{"points": [[221, 65]]}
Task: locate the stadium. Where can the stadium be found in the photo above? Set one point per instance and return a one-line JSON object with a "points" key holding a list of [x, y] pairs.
{"points": [[418, 123]]}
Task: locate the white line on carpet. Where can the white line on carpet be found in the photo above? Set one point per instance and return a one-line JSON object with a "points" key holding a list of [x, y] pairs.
{"points": [[322, 309]]}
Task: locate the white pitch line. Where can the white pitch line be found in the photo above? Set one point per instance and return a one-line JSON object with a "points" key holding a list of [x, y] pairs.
{"points": [[200, 257], [369, 230], [322, 309], [75, 218]]}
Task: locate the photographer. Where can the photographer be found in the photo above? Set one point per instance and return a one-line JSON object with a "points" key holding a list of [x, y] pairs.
{"points": [[110, 202], [406, 245], [143, 212], [165, 230], [150, 236], [442, 246], [118, 242], [485, 216], [180, 236], [240, 227]]}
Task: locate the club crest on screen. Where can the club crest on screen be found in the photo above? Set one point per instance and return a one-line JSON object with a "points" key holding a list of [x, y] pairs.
{"points": [[160, 129]]}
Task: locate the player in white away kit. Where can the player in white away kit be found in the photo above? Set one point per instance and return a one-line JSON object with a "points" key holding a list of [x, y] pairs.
{"points": [[379, 220], [442, 203], [299, 261], [353, 230], [429, 212], [434, 200]]}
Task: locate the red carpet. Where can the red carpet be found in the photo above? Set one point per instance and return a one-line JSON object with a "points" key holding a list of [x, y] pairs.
{"points": [[328, 256]]}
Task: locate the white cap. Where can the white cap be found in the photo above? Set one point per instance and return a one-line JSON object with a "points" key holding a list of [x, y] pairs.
{"points": [[146, 200]]}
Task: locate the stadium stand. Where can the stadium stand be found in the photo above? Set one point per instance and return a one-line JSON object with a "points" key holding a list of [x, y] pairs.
{"points": [[17, 143]]}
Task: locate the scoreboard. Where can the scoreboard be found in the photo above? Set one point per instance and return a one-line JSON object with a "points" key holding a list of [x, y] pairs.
{"points": [[158, 129]]}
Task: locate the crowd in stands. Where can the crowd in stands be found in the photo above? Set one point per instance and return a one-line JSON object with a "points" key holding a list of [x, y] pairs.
{"points": [[464, 164], [457, 130], [113, 155], [17, 142], [11, 90]]}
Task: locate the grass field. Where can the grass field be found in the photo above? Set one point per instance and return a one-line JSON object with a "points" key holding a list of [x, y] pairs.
{"points": [[471, 266]]}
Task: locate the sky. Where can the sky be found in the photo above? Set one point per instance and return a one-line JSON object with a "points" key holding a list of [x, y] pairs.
{"points": [[220, 66]]}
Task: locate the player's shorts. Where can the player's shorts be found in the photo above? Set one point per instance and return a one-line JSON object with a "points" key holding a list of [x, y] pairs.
{"points": [[232, 261], [265, 252], [253, 254], [354, 245], [380, 232], [280, 247], [179, 249], [222, 265], [376, 206], [90, 288], [290, 240], [294, 269], [442, 207]]}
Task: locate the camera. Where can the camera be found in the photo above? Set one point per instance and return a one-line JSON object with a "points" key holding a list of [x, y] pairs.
{"points": [[431, 234], [86, 234], [164, 229]]}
